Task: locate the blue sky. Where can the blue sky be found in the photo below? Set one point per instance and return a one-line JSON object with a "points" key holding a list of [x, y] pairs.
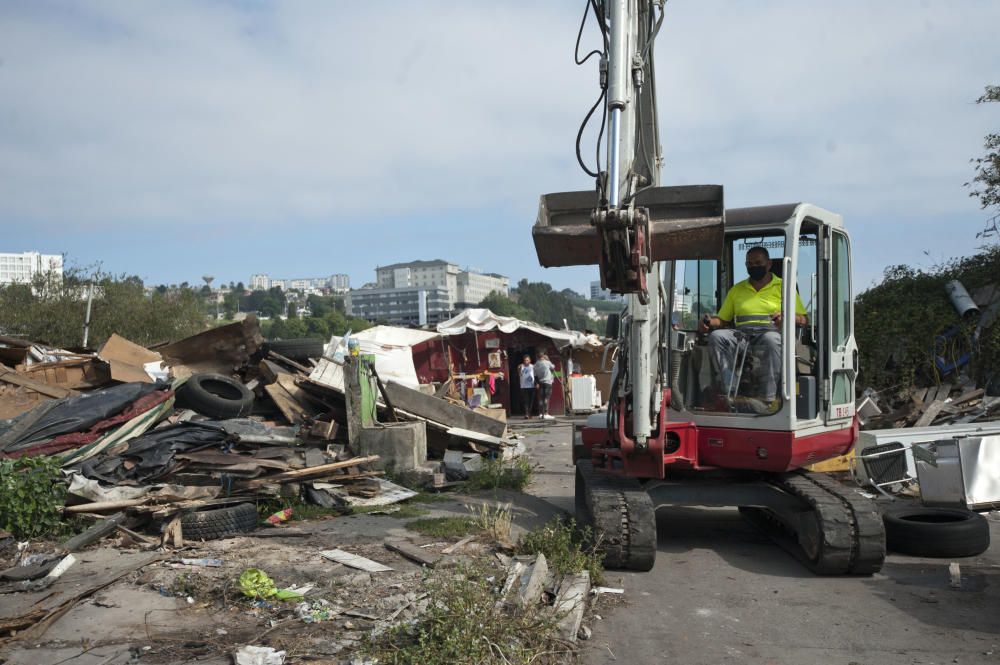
{"points": [[174, 139]]}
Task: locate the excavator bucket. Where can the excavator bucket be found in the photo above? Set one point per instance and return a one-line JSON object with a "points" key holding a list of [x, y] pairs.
{"points": [[684, 223]]}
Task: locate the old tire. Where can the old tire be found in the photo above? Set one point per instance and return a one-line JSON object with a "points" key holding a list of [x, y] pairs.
{"points": [[216, 396], [936, 532], [297, 349], [219, 523]]}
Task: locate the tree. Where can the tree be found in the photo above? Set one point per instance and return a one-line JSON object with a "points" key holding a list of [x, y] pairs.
{"points": [[501, 305], [986, 183], [53, 310], [550, 307]]}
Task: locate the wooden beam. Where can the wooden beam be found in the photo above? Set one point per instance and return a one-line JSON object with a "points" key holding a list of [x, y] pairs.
{"points": [[930, 413], [412, 552], [96, 532], [438, 410], [7, 375], [310, 472]]}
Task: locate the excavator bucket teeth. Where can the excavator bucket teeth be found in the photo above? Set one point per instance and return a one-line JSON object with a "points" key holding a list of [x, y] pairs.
{"points": [[684, 223]]}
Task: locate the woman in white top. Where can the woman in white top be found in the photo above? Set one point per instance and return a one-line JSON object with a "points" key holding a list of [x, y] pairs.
{"points": [[527, 373]]}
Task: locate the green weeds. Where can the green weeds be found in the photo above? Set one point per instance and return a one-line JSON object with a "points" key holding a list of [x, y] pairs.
{"points": [[567, 550]]}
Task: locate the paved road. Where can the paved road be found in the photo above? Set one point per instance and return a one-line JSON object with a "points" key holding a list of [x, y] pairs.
{"points": [[722, 593]]}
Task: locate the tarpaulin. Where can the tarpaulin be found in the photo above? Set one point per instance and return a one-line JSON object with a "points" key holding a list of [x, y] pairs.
{"points": [[481, 320], [392, 348], [73, 440], [71, 414]]}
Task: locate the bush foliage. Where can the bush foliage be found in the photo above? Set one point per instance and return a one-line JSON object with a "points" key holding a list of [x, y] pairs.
{"points": [[899, 320], [31, 496], [53, 310]]}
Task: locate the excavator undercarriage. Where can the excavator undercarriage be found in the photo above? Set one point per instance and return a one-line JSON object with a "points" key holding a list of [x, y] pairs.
{"points": [[830, 528]]}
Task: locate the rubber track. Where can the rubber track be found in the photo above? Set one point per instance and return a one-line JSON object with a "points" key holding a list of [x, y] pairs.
{"points": [[851, 538], [869, 530], [622, 516]]}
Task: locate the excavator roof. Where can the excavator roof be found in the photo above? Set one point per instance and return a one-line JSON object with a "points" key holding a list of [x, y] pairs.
{"points": [[778, 215], [760, 215]]}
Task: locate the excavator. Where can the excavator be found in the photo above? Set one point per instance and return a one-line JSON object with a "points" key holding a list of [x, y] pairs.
{"points": [[676, 432]]}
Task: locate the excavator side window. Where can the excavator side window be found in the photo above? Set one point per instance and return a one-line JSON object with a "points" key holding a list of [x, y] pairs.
{"points": [[698, 294]]}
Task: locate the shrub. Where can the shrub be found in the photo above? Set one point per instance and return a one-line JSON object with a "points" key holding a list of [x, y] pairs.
{"points": [[567, 549], [32, 495]]}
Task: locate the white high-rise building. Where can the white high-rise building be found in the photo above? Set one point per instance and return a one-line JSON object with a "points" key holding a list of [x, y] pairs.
{"points": [[260, 282], [338, 283], [466, 288], [22, 268]]}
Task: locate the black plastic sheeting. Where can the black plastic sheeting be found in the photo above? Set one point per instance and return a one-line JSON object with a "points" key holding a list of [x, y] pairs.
{"points": [[150, 457], [73, 414]]}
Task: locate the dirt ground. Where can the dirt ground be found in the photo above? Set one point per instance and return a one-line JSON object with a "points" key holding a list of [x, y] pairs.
{"points": [[169, 612]]}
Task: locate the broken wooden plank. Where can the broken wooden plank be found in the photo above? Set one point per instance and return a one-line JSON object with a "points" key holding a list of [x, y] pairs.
{"points": [[412, 552], [7, 375], [289, 362], [968, 396], [310, 472], [930, 413], [354, 561], [478, 437], [440, 411], [173, 533], [451, 549], [104, 506], [96, 532], [286, 403], [943, 391]]}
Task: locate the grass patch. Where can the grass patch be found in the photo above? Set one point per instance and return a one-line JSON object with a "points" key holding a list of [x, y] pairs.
{"points": [[513, 474], [494, 520], [445, 527], [464, 625], [567, 550]]}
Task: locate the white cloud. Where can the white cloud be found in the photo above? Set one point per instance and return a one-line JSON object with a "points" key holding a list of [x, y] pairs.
{"points": [[132, 115]]}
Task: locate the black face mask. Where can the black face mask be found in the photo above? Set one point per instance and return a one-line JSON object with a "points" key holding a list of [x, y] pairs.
{"points": [[757, 272]]}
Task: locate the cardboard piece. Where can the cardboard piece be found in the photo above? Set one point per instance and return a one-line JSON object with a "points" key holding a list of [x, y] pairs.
{"points": [[127, 359]]}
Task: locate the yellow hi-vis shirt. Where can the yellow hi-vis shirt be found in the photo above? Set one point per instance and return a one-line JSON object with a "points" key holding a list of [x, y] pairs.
{"points": [[746, 306]]}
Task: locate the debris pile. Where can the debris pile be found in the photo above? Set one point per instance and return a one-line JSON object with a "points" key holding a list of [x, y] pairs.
{"points": [[944, 404], [184, 435]]}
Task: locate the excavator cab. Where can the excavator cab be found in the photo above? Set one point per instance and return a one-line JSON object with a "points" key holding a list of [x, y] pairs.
{"points": [[810, 252]]}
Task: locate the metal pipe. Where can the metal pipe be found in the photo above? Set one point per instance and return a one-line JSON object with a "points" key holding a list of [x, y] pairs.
{"points": [[86, 320], [960, 298], [614, 157]]}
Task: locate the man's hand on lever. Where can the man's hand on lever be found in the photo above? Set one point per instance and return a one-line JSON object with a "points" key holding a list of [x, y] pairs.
{"points": [[800, 320]]}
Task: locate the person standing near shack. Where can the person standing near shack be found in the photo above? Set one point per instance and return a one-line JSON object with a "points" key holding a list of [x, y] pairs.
{"points": [[527, 373], [544, 376]]}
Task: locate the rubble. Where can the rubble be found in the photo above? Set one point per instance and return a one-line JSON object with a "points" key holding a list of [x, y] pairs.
{"points": [[161, 474]]}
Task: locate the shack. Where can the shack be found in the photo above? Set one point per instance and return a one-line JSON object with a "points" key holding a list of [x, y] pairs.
{"points": [[475, 358]]}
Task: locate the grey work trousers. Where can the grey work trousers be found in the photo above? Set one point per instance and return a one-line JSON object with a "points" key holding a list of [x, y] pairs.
{"points": [[764, 341]]}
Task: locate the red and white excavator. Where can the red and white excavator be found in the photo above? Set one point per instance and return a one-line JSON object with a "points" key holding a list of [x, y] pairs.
{"points": [[675, 432]]}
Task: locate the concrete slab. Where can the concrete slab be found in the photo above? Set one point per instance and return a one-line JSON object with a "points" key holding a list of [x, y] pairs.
{"points": [[400, 446]]}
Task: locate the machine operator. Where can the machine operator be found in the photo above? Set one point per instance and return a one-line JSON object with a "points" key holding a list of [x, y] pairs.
{"points": [[751, 314]]}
